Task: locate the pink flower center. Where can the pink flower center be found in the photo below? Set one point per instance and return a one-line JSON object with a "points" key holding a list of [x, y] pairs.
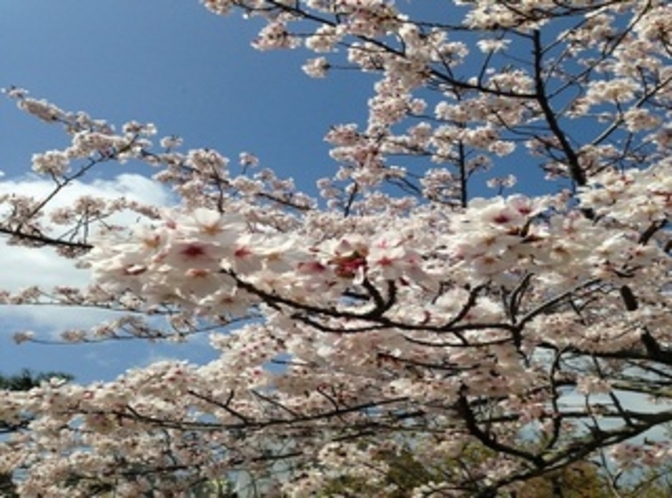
{"points": [[193, 251]]}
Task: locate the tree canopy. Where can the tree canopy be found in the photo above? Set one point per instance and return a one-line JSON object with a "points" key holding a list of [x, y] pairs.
{"points": [[397, 332]]}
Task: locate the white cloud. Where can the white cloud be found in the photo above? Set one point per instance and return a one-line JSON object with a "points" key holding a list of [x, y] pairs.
{"points": [[23, 267], [132, 186]]}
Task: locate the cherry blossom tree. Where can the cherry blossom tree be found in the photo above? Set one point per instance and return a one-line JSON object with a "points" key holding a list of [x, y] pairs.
{"points": [[398, 311]]}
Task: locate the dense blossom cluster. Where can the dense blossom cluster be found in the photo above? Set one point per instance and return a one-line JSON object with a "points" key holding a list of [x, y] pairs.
{"points": [[406, 315]]}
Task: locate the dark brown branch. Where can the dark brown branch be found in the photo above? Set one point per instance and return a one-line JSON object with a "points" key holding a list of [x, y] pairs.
{"points": [[44, 240], [575, 171]]}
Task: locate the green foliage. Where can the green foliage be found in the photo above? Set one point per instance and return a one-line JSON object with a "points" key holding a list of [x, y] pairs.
{"points": [[26, 379], [404, 471], [578, 480], [582, 479]]}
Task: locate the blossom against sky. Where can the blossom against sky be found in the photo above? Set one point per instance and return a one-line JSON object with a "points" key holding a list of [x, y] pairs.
{"points": [[412, 316], [172, 63], [177, 65]]}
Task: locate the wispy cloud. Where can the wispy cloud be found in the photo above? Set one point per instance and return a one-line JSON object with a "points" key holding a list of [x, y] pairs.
{"points": [[21, 267]]}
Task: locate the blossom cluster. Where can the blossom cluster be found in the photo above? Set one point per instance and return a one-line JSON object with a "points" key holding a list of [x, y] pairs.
{"points": [[398, 313]]}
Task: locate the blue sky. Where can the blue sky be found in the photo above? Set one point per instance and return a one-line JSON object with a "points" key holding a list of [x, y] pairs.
{"points": [[173, 63]]}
